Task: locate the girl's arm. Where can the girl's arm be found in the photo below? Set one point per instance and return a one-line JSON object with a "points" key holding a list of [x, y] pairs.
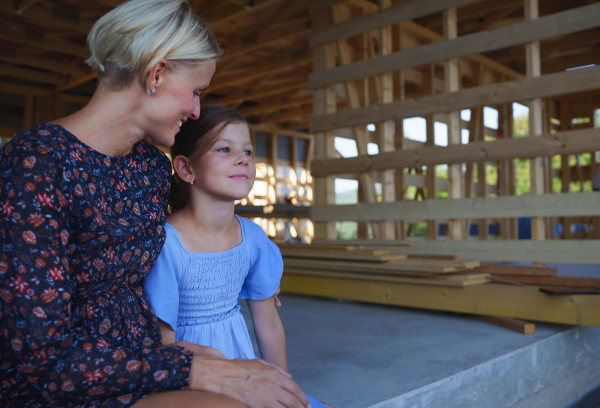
{"points": [[269, 331], [166, 332]]}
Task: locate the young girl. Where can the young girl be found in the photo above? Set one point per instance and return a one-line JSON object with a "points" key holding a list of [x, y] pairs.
{"points": [[211, 257]]}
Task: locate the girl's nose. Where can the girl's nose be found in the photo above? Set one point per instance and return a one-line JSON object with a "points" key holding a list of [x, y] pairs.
{"points": [[243, 160]]}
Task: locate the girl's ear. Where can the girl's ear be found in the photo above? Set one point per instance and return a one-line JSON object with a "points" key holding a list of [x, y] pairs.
{"points": [[156, 76], [183, 168]]}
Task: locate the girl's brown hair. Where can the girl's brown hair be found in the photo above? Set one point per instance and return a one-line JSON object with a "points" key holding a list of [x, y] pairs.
{"points": [[194, 139]]}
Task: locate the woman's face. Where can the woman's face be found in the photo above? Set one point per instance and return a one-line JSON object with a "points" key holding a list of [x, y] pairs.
{"points": [[227, 170], [176, 99]]}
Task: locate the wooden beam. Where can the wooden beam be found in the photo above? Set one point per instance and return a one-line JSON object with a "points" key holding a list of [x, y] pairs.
{"points": [[566, 22], [404, 11], [232, 17], [561, 83], [516, 325], [31, 74], [324, 102], [18, 89], [568, 142], [264, 91], [57, 46], [45, 17], [43, 63], [546, 205], [274, 103], [290, 115], [487, 299], [264, 40], [251, 74]]}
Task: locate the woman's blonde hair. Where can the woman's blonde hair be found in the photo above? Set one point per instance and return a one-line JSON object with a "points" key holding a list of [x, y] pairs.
{"points": [[129, 40]]}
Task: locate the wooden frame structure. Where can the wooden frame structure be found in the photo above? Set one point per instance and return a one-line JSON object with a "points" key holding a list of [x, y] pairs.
{"points": [[454, 77]]}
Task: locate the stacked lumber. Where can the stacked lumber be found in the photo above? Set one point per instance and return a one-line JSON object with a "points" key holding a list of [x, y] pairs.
{"points": [[363, 263], [543, 278]]}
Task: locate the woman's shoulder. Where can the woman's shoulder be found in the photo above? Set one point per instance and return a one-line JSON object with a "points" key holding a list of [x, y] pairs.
{"points": [[41, 146]]}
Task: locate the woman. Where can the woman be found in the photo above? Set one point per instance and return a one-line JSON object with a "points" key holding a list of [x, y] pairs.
{"points": [[83, 202]]}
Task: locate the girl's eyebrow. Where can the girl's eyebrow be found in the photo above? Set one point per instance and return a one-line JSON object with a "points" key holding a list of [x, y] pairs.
{"points": [[232, 142]]}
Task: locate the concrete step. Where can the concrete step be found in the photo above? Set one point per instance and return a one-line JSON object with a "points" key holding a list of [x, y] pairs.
{"points": [[355, 355]]}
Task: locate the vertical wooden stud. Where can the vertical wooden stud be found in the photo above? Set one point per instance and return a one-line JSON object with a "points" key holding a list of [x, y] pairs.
{"points": [[451, 84], [532, 51], [400, 175], [323, 102]]}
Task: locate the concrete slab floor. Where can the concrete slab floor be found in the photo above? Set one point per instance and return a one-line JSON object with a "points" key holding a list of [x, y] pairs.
{"points": [[355, 355]]}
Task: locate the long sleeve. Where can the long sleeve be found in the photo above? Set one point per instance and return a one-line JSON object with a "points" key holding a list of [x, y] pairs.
{"points": [[46, 354]]}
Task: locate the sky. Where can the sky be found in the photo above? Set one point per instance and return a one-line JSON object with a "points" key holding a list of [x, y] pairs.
{"points": [[414, 128]]}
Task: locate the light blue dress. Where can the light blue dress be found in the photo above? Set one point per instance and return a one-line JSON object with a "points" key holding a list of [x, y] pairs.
{"points": [[197, 293]]}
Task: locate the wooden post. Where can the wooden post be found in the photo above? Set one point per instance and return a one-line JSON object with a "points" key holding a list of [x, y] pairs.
{"points": [[324, 102], [451, 84], [535, 120], [386, 129], [565, 168], [430, 177], [400, 175]]}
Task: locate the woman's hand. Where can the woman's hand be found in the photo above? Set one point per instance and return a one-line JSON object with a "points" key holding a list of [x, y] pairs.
{"points": [[255, 383]]}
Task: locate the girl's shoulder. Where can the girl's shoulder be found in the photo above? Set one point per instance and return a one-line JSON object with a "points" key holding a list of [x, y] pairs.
{"points": [[253, 231]]}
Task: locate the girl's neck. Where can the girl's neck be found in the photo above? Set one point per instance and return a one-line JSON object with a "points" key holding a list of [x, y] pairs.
{"points": [[206, 225]]}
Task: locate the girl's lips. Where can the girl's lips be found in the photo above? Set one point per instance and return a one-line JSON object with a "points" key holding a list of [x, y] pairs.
{"points": [[239, 177]]}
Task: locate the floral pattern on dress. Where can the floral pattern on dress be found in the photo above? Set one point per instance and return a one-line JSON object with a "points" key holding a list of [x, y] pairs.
{"points": [[80, 230]]}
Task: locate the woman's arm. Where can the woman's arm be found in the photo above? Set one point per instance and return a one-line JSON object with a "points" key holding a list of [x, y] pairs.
{"points": [[269, 331]]}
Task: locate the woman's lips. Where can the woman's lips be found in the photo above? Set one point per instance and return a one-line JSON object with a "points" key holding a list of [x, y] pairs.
{"points": [[239, 177]]}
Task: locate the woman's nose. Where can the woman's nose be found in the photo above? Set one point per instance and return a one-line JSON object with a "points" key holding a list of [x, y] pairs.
{"points": [[242, 160], [196, 113]]}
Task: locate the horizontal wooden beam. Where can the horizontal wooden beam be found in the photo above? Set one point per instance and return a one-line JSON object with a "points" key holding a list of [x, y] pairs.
{"points": [[251, 74], [546, 205], [396, 14], [44, 44], [291, 114], [568, 142], [43, 63], [31, 74], [45, 17], [273, 104], [560, 251], [554, 25], [487, 299], [18, 89], [262, 92], [232, 17], [561, 83]]}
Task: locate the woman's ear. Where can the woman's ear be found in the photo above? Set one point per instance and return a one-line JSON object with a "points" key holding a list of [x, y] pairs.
{"points": [[183, 168], [156, 76]]}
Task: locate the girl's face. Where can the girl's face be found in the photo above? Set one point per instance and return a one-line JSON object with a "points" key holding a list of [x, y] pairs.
{"points": [[227, 170], [177, 99]]}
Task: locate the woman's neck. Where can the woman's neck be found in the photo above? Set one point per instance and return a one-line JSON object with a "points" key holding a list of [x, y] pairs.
{"points": [[107, 123]]}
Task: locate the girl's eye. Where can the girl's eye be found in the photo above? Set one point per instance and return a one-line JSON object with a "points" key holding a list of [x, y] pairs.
{"points": [[223, 150], [248, 152]]}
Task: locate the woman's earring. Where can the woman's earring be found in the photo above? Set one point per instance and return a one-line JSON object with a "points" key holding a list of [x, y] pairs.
{"points": [[151, 91], [192, 183]]}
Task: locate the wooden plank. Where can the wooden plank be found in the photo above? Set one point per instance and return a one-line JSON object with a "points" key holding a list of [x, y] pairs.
{"points": [[309, 249], [554, 25], [443, 257], [589, 283], [565, 143], [571, 251], [31, 74], [45, 17], [561, 83], [517, 270], [339, 246], [488, 299], [546, 205], [517, 325], [389, 278], [44, 63], [428, 266], [396, 14], [343, 256]]}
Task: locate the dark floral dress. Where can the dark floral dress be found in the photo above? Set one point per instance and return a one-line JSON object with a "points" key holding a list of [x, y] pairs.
{"points": [[79, 230]]}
